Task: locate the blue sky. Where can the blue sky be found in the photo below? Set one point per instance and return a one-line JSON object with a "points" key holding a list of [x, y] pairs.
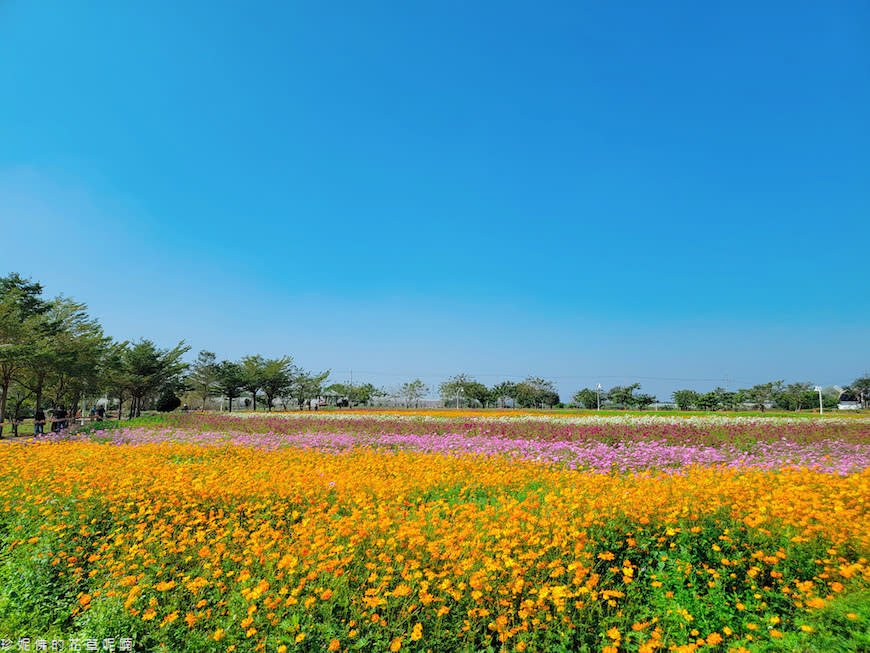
{"points": [[647, 191]]}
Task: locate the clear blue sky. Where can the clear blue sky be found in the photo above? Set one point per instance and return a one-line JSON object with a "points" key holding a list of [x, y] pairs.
{"points": [[675, 190]]}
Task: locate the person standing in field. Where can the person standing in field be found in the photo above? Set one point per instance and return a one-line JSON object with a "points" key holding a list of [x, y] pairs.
{"points": [[38, 421], [59, 419]]}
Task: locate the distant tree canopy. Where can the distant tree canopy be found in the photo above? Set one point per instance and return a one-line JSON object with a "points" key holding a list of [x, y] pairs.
{"points": [[590, 399], [456, 389], [357, 395], [53, 353], [535, 392], [413, 391], [686, 399]]}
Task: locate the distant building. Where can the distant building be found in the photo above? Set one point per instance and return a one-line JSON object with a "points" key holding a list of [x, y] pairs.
{"points": [[848, 401]]}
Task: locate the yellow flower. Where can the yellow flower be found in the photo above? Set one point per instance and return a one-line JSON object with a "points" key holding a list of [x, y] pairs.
{"points": [[168, 619], [334, 645], [396, 644], [299, 637]]}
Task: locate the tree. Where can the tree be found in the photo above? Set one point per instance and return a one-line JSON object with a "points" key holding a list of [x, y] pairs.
{"points": [[454, 389], [463, 389], [204, 375], [76, 354], [167, 401], [115, 377], [252, 376], [624, 396], [307, 386], [727, 400], [21, 307], [151, 369], [534, 392], [358, 394], [588, 398], [412, 391], [230, 379], [363, 394], [503, 391], [276, 379], [685, 399], [46, 345], [759, 395], [794, 396], [475, 391], [830, 397], [861, 387], [708, 401]]}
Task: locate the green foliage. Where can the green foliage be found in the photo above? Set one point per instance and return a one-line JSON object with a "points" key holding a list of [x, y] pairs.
{"points": [[861, 388], [761, 394], [230, 380], [624, 396], [306, 386], [501, 392], [535, 392], [149, 369], [413, 391], [253, 375], [686, 399], [167, 401], [203, 375], [709, 401], [276, 378], [588, 398], [454, 390]]}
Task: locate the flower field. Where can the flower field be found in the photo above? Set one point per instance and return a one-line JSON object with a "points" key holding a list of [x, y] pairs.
{"points": [[389, 533]]}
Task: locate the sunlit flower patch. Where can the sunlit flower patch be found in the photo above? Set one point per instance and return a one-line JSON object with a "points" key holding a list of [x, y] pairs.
{"points": [[199, 539], [831, 456]]}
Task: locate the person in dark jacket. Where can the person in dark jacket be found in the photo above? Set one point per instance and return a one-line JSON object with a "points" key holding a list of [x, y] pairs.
{"points": [[59, 419], [38, 421]]}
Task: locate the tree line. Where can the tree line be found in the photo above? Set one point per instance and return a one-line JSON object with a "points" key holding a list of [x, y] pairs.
{"points": [[795, 396], [53, 354], [776, 394]]}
